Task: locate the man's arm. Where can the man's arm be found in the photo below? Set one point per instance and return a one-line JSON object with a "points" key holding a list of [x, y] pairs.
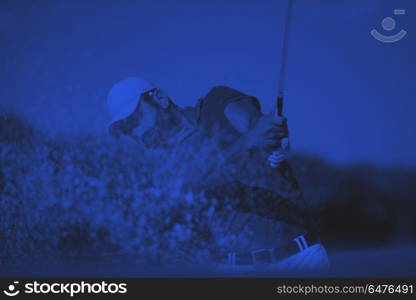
{"points": [[259, 136], [266, 135]]}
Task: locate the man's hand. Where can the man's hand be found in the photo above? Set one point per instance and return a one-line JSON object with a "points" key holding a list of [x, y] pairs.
{"points": [[267, 132], [277, 157]]}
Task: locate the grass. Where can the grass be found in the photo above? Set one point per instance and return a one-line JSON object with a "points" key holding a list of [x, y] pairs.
{"points": [[86, 198]]}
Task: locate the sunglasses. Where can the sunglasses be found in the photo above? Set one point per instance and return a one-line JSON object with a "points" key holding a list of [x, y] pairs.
{"points": [[155, 95]]}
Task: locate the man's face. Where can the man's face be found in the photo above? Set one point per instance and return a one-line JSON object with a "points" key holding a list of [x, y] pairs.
{"points": [[159, 97], [147, 119], [152, 104]]}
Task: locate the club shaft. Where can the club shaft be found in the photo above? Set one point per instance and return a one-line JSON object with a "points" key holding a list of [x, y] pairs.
{"points": [[283, 62]]}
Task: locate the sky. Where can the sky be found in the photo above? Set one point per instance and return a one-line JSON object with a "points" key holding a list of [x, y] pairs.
{"points": [[349, 97]]}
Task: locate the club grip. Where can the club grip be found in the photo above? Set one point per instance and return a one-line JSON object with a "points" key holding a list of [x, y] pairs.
{"points": [[279, 106], [279, 113]]}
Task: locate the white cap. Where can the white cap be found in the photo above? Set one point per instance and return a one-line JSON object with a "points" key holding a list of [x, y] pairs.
{"points": [[124, 96]]}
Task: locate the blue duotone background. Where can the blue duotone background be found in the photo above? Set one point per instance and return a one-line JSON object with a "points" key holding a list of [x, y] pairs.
{"points": [[349, 98]]}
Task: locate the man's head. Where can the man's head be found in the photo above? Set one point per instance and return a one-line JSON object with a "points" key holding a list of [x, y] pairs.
{"points": [[134, 104]]}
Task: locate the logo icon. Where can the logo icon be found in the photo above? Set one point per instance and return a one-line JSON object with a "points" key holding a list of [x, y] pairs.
{"points": [[11, 289], [389, 24]]}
